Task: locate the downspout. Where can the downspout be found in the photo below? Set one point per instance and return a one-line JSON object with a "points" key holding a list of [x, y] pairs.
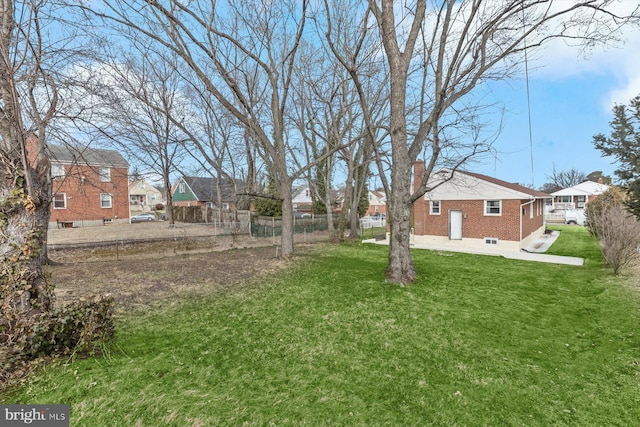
{"points": [[520, 213]]}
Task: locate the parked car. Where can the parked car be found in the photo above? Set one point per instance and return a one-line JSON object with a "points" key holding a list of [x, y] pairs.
{"points": [[143, 217], [302, 215], [574, 217]]}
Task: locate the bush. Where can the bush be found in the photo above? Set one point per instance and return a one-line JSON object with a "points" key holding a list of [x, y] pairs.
{"points": [[159, 207], [613, 197], [619, 234], [79, 327]]}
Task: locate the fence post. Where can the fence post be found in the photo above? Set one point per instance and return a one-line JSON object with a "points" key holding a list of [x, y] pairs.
{"points": [[273, 230]]}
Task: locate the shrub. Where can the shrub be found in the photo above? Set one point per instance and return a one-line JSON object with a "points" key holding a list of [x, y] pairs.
{"points": [[619, 234], [159, 207], [613, 197], [79, 327]]}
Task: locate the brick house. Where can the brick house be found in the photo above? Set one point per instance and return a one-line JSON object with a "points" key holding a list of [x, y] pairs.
{"points": [[471, 210], [89, 186]]}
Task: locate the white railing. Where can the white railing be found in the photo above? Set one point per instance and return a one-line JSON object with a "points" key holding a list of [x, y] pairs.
{"points": [[564, 206], [555, 217], [371, 222]]}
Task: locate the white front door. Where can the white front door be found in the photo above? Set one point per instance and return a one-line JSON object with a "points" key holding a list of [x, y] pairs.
{"points": [[455, 225]]}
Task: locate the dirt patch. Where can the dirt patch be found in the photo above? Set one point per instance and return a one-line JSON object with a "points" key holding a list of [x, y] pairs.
{"points": [[142, 275]]}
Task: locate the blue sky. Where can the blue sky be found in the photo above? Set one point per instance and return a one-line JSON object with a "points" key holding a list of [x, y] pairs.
{"points": [[571, 100]]}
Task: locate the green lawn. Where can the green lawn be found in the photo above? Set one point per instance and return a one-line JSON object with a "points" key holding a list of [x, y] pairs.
{"points": [[476, 341]]}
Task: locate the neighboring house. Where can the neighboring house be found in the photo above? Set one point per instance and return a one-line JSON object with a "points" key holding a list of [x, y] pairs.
{"points": [[476, 211], [301, 198], [303, 202], [143, 196], [377, 203], [578, 196], [197, 191], [88, 185]]}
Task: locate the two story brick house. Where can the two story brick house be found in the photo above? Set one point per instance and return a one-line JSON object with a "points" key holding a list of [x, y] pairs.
{"points": [[471, 210], [89, 186]]}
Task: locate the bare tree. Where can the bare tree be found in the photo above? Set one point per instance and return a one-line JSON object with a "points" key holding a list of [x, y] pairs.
{"points": [[358, 53], [243, 53], [326, 113], [142, 102], [619, 235], [437, 54], [557, 180]]}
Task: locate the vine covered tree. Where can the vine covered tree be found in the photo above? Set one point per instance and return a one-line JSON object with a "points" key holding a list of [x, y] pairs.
{"points": [[25, 187]]}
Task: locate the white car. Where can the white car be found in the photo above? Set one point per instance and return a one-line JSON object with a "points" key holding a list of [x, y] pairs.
{"points": [[143, 217], [574, 217]]}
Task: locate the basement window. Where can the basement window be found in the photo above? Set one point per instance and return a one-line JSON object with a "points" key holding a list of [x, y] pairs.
{"points": [[492, 241]]}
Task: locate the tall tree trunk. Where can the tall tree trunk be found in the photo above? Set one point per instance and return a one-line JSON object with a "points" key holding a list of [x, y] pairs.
{"points": [[287, 219], [400, 269]]}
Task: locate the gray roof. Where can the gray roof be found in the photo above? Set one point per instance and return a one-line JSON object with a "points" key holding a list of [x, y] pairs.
{"points": [[205, 188], [85, 156]]}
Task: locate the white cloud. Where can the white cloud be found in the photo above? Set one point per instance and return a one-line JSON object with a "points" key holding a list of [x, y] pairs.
{"points": [[621, 63]]}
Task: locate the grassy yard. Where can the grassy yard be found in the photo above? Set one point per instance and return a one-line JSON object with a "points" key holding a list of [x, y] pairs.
{"points": [[477, 340]]}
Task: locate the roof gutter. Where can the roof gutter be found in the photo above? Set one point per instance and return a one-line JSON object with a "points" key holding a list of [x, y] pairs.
{"points": [[520, 213]]}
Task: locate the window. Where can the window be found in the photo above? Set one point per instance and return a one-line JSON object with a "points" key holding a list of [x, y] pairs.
{"points": [[181, 187], [580, 201], [225, 206], [434, 207], [105, 200], [491, 241], [60, 201], [105, 174], [564, 199], [493, 207], [57, 171]]}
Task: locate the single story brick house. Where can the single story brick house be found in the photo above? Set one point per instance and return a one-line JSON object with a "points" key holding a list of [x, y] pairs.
{"points": [[89, 186], [471, 210]]}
